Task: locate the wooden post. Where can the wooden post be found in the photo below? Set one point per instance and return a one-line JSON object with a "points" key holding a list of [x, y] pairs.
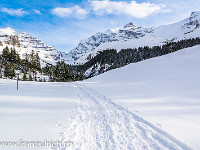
{"points": [[17, 81]]}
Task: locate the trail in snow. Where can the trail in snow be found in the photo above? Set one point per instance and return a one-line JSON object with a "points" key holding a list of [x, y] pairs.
{"points": [[101, 124]]}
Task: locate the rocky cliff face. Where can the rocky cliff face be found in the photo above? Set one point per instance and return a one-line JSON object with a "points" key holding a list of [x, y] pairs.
{"points": [[13, 40], [25, 43]]}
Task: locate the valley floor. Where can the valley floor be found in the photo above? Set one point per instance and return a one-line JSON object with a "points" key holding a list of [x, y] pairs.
{"points": [[164, 91]]}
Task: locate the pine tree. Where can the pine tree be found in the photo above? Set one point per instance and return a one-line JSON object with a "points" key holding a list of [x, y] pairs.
{"points": [[35, 78], [30, 77], [6, 71], [5, 55], [24, 77], [11, 73], [37, 59]]}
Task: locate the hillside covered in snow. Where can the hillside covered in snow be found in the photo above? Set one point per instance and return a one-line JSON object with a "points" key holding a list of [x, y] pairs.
{"points": [[153, 104], [132, 36], [25, 57], [164, 90], [24, 43]]}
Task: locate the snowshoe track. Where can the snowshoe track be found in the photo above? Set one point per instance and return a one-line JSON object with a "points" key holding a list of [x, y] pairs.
{"points": [[100, 124]]}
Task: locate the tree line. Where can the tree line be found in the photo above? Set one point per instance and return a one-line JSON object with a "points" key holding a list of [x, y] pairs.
{"points": [[11, 64], [111, 59], [63, 72], [30, 68]]}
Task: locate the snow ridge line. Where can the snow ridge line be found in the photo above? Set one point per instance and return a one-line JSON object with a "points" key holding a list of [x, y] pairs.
{"points": [[100, 124]]}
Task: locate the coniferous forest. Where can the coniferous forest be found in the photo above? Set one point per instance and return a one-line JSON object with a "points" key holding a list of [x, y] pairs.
{"points": [[11, 65], [111, 59]]}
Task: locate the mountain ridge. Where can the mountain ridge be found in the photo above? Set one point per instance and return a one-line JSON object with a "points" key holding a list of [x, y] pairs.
{"points": [[25, 43], [132, 36]]}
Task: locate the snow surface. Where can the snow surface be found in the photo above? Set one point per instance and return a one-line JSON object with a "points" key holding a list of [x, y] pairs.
{"points": [[152, 105], [101, 124], [163, 90], [35, 111]]}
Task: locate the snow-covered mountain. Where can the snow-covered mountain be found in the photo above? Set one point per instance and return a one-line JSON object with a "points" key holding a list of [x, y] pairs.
{"points": [[132, 36], [25, 43]]}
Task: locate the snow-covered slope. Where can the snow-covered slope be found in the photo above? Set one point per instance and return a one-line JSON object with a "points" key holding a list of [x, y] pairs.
{"points": [[164, 90], [132, 36], [25, 43]]}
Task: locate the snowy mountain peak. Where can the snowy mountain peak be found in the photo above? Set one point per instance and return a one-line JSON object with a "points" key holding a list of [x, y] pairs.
{"points": [[195, 14], [131, 36], [130, 25], [192, 23], [7, 31], [24, 44]]}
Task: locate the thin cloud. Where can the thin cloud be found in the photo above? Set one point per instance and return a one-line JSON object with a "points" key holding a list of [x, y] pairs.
{"points": [[133, 9], [37, 12], [14, 12], [75, 11]]}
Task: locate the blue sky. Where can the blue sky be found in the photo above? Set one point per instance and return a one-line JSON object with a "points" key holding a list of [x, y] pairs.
{"points": [[63, 23]]}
